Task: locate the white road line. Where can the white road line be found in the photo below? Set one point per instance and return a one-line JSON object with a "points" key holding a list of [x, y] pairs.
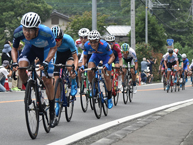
{"points": [[94, 130]]}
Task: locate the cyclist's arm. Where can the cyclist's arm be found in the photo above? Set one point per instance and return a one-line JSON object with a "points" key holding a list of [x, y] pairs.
{"points": [[51, 53], [75, 61], [14, 54], [120, 61], [111, 59], [136, 65], [165, 64], [84, 60]]}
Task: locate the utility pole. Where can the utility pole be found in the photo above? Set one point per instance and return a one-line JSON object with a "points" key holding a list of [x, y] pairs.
{"points": [[133, 24], [192, 9], [146, 23], [94, 14]]}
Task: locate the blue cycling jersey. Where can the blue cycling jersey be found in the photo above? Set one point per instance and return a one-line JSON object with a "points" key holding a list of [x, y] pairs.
{"points": [[45, 38], [67, 44], [103, 48], [186, 62]]}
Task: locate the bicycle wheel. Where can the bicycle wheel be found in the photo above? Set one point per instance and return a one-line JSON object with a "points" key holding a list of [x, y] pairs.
{"points": [[130, 90], [96, 99], [70, 107], [104, 98], [59, 86], [125, 90], [83, 96], [31, 109], [184, 81], [46, 112], [164, 82]]}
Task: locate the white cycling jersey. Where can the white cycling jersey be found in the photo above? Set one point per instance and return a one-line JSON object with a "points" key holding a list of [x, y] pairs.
{"points": [[132, 54], [172, 58], [191, 66]]}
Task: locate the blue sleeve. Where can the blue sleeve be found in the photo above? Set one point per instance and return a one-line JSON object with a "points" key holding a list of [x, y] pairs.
{"points": [[71, 44], [108, 50], [85, 49], [51, 39], [17, 36]]}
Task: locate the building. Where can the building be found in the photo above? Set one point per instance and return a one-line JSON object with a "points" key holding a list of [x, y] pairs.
{"points": [[119, 31], [57, 18]]}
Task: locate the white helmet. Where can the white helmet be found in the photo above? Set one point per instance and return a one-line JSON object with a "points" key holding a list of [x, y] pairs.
{"points": [[176, 50], [183, 55], [94, 35], [83, 32], [110, 38], [30, 20]]}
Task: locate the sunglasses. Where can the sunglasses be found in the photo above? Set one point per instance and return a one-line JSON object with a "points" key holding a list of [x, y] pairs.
{"points": [[58, 39], [125, 52], [83, 37], [93, 42]]}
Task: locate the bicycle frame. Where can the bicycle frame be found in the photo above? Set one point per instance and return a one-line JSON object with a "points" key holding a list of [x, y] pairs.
{"points": [[114, 75]]}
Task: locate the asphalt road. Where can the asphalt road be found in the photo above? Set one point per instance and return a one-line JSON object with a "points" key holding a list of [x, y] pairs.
{"points": [[13, 128]]}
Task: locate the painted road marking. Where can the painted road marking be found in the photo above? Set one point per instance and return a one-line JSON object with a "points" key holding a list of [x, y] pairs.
{"points": [[79, 95]]}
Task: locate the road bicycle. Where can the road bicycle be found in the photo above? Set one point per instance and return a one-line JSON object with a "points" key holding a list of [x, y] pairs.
{"points": [[85, 92], [63, 87], [183, 80], [99, 92], [127, 86], [171, 82], [164, 78], [36, 102], [115, 90]]}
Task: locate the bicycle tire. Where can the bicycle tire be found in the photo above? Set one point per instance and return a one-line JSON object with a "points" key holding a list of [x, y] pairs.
{"points": [[31, 106], [96, 99], [90, 97], [131, 91], [69, 108], [83, 96], [60, 84], [104, 99], [125, 90], [46, 113], [164, 82]]}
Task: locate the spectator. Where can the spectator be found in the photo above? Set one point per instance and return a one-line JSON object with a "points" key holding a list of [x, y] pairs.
{"points": [[4, 74], [144, 65], [152, 61], [6, 52]]}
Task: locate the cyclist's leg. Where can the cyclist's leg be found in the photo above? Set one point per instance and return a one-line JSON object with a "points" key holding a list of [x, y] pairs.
{"points": [[93, 62], [25, 58], [108, 81], [80, 64], [49, 86]]}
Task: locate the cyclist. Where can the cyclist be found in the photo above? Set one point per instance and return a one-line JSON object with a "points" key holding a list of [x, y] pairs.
{"points": [[100, 51], [162, 66], [185, 64], [191, 70], [129, 55], [170, 60], [39, 42], [115, 47], [180, 64], [83, 38], [67, 53]]}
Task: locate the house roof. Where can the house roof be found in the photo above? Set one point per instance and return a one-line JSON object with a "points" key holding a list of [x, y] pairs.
{"points": [[118, 30], [55, 13]]}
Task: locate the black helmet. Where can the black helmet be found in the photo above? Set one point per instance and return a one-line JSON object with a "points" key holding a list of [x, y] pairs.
{"points": [[170, 51]]}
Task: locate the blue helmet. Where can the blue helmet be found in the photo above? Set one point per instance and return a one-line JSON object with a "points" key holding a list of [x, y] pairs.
{"points": [[57, 32], [125, 47]]}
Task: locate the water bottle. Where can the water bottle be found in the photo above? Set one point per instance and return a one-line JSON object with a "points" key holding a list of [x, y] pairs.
{"points": [[101, 86], [128, 65]]}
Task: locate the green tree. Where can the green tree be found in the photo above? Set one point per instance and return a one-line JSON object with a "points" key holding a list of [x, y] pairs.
{"points": [[84, 21], [156, 32], [12, 12]]}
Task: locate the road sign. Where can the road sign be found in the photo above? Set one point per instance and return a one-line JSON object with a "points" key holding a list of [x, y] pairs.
{"points": [[170, 42]]}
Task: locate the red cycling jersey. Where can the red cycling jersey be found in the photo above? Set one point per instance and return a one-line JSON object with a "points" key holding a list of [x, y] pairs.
{"points": [[117, 48]]}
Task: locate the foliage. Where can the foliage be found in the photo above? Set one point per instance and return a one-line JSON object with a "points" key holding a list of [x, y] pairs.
{"points": [[156, 33], [85, 21], [12, 11]]}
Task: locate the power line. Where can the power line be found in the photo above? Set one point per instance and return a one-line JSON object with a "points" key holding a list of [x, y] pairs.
{"points": [[177, 30]]}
